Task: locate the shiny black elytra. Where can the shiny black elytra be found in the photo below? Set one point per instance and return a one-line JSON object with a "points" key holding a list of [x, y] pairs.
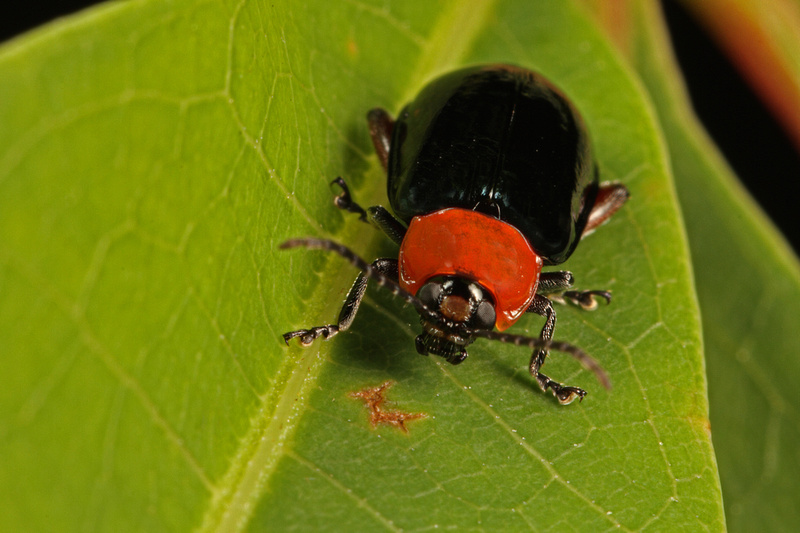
{"points": [[490, 176], [502, 141]]}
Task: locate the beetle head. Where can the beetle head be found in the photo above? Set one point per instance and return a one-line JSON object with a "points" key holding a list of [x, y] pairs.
{"points": [[461, 306]]}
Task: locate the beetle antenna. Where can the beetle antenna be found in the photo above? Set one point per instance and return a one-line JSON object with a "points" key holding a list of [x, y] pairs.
{"points": [[537, 344], [373, 273]]}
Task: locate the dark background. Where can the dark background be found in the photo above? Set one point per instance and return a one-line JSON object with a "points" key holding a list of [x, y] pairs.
{"points": [[751, 140]]}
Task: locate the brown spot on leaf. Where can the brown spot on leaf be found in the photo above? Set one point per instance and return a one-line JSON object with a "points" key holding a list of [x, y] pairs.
{"points": [[374, 398]]}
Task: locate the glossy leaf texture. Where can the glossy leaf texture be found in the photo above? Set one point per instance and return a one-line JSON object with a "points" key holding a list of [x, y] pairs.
{"points": [[154, 155], [748, 285]]}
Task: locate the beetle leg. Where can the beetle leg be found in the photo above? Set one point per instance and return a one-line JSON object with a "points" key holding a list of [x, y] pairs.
{"points": [[344, 200], [381, 218], [388, 267], [586, 300], [554, 284], [565, 395], [376, 215], [610, 197], [380, 129], [544, 307], [558, 281]]}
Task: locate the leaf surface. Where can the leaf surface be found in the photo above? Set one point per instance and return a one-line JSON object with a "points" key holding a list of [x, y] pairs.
{"points": [[153, 157]]}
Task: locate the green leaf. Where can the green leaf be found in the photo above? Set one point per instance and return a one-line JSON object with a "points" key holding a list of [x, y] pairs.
{"points": [[748, 284], [154, 155]]}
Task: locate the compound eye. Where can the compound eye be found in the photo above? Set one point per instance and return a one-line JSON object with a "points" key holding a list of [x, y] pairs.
{"points": [[484, 316], [431, 294]]}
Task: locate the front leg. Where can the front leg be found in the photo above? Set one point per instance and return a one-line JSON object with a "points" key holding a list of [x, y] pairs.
{"points": [[349, 309], [565, 394]]}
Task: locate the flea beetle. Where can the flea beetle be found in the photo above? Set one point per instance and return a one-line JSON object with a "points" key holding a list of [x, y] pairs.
{"points": [[490, 177]]}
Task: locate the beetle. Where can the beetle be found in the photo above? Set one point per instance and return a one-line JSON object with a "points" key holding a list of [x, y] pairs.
{"points": [[490, 177]]}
